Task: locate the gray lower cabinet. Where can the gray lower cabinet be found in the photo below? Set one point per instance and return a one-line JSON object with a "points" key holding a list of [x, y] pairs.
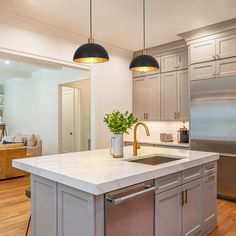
{"points": [[192, 208], [75, 212], [181, 209], [59, 210], [44, 206], [185, 204], [209, 198], [168, 208]]}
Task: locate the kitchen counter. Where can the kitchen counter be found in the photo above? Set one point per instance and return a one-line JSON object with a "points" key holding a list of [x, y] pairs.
{"points": [[92, 194], [96, 172]]}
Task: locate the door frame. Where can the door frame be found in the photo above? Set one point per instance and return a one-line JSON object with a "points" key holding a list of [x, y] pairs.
{"points": [[65, 84]]}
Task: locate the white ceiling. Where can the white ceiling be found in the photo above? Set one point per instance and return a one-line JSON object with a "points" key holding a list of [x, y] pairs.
{"points": [[119, 22]]}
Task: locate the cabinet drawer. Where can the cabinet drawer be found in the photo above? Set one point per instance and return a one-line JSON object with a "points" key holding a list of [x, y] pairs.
{"points": [[210, 168], [191, 174], [168, 182]]}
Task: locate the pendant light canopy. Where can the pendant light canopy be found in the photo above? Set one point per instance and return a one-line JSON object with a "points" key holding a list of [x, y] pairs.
{"points": [[91, 52], [144, 62]]}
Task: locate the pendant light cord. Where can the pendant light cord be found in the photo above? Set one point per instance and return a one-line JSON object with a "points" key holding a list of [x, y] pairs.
{"points": [[91, 22], [144, 29]]}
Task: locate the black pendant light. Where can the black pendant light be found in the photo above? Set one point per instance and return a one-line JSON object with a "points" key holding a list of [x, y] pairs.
{"points": [[91, 52], [144, 62]]}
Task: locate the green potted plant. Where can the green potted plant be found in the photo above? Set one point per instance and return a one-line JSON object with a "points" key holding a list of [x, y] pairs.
{"points": [[119, 123]]}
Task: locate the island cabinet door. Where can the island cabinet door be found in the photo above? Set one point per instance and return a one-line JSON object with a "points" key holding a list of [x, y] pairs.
{"points": [[76, 211], [44, 206], [168, 213], [209, 202], [192, 208]]}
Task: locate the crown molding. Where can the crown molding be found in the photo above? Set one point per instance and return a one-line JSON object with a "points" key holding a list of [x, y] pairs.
{"points": [[164, 48], [209, 30]]}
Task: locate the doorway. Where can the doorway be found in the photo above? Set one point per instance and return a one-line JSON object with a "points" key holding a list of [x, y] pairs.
{"points": [[74, 116], [70, 119]]}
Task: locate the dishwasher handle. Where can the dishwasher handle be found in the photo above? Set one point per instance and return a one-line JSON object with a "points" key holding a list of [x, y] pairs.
{"points": [[116, 201]]}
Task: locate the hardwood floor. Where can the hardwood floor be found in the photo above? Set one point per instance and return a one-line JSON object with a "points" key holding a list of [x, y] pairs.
{"points": [[226, 219], [14, 207], [15, 210]]}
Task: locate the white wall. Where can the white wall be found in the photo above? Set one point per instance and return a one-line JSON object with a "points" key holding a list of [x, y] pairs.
{"points": [[32, 105], [114, 91], [111, 83]]}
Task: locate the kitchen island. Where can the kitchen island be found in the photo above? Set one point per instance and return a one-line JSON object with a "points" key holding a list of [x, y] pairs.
{"points": [[92, 194]]}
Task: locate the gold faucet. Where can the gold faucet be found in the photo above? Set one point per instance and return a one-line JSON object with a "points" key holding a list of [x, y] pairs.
{"points": [[136, 146]]}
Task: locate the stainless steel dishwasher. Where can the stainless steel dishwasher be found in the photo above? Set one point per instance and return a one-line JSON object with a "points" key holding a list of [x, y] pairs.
{"points": [[130, 211]]}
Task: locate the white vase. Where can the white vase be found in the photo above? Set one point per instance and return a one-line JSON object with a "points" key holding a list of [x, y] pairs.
{"points": [[117, 146]]}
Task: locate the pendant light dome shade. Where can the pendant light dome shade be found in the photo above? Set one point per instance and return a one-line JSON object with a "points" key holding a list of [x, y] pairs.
{"points": [[91, 53], [144, 63]]}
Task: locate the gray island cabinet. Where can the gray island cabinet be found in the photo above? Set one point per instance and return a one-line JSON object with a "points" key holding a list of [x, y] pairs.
{"points": [[179, 197]]}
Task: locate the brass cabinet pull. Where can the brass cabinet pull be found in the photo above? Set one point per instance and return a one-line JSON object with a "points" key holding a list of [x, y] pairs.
{"points": [[186, 196], [177, 115], [183, 201], [146, 116]]}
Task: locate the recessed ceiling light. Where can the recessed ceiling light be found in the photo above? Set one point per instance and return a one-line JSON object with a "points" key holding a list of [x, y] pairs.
{"points": [[6, 62]]}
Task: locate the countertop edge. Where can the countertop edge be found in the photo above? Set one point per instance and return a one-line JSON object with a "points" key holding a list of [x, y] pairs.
{"points": [[102, 188]]}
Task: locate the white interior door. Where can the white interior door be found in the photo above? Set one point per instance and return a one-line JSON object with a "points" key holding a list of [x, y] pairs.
{"points": [[68, 119]]}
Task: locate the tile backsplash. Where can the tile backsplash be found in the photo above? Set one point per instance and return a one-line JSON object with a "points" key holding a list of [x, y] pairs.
{"points": [[156, 128]]}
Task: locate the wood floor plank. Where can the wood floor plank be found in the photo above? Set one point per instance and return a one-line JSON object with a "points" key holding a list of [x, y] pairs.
{"points": [[14, 207], [15, 210]]}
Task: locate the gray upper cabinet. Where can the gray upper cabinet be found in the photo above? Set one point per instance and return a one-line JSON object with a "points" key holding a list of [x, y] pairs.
{"points": [[192, 208], [146, 99], [226, 46], [169, 94], [140, 97], [183, 87], [213, 69], [168, 62], [175, 95], [153, 98], [226, 67], [182, 60], [206, 70], [202, 51], [213, 49], [174, 61]]}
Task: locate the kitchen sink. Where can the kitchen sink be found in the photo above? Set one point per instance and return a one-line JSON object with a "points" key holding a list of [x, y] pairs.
{"points": [[154, 160]]}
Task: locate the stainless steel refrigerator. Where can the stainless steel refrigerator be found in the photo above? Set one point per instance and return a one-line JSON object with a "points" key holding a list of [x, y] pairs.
{"points": [[213, 127]]}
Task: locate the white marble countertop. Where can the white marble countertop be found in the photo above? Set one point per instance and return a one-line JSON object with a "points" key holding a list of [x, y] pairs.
{"points": [[158, 142], [96, 172]]}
